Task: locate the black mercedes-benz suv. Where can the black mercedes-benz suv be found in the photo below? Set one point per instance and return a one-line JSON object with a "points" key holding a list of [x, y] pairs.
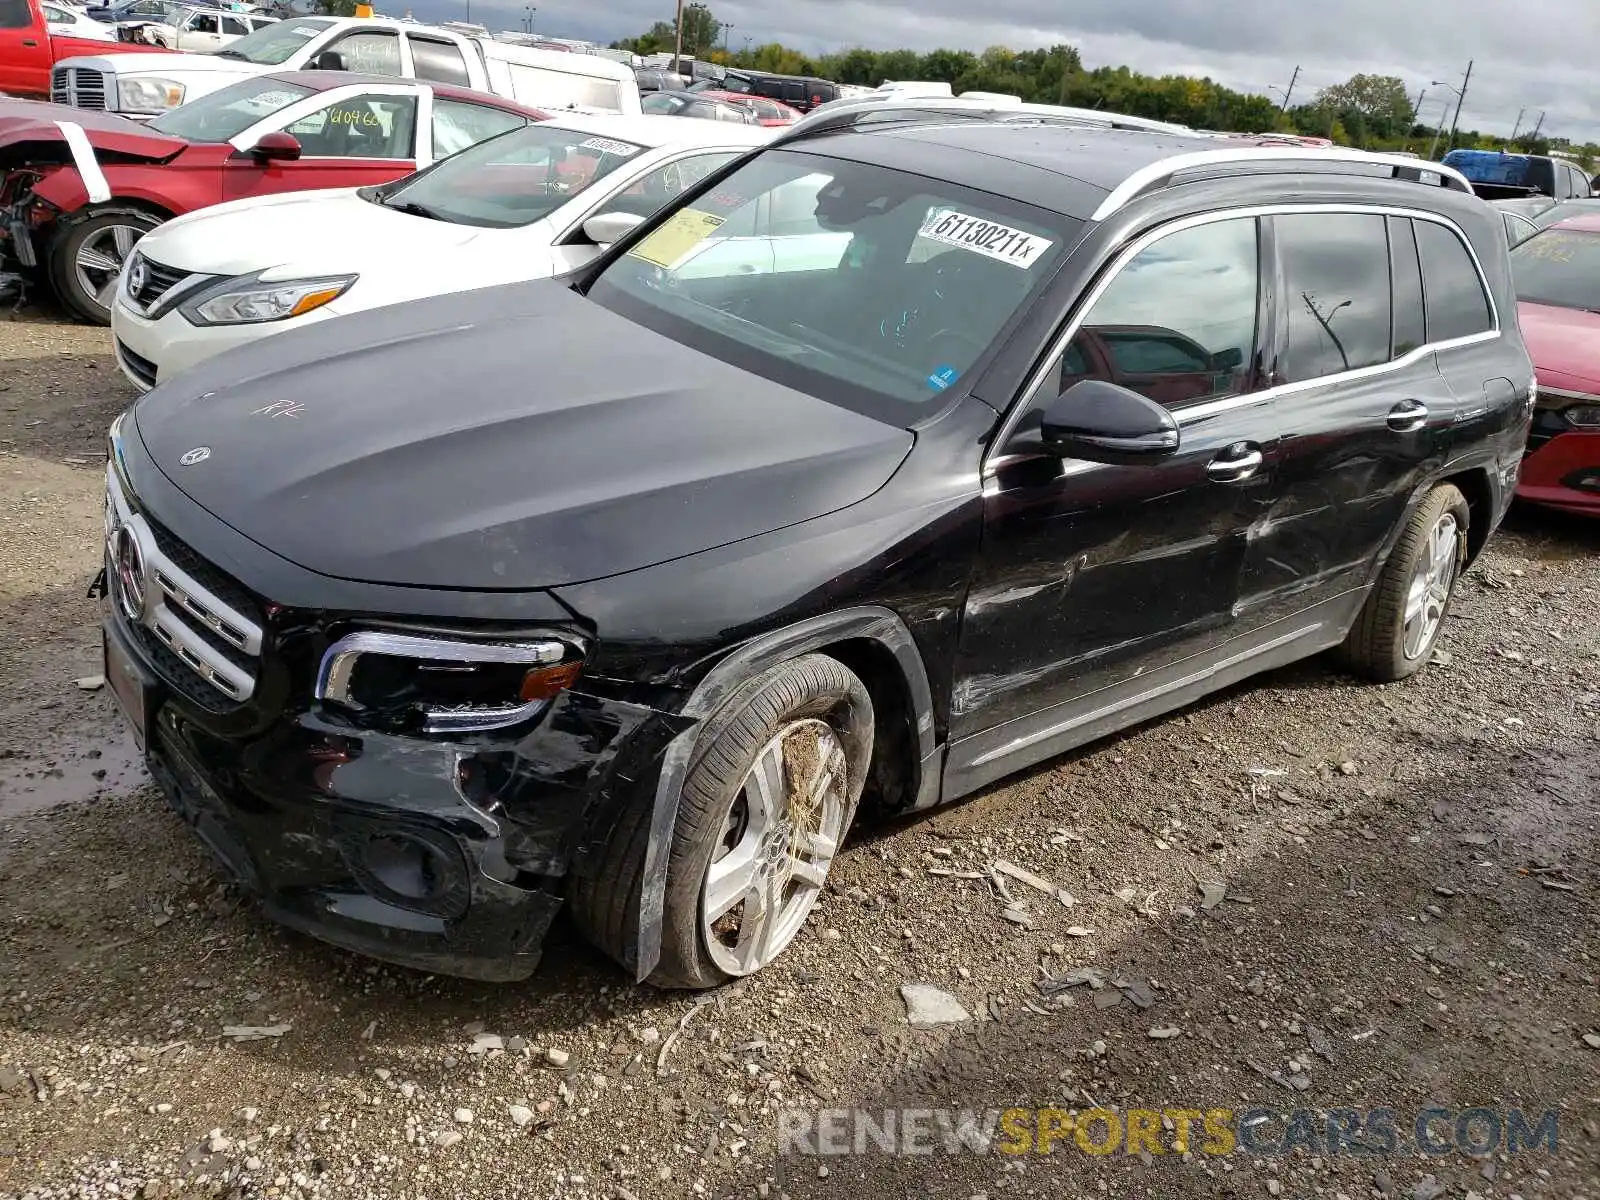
{"points": [[901, 455]]}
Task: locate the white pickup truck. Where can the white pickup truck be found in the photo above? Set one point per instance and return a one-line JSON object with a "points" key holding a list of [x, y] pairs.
{"points": [[146, 85]]}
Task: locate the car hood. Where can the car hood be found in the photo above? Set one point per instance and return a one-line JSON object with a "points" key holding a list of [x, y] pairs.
{"points": [[1564, 344], [168, 63], [29, 127], [296, 234], [506, 438]]}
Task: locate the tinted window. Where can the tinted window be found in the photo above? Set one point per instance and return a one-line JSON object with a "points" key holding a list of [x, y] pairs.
{"points": [[361, 127], [229, 111], [1456, 304], [14, 14], [1178, 323], [882, 298], [275, 43], [1409, 330], [203, 23], [513, 180], [234, 26], [457, 125], [439, 61], [370, 52], [1336, 292], [1560, 267], [649, 192]]}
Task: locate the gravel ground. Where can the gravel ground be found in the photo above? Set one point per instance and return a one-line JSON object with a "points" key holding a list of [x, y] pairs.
{"points": [[1305, 893]]}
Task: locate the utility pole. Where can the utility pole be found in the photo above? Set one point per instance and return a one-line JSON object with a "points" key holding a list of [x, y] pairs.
{"points": [[1461, 98], [1289, 91], [1534, 136], [726, 25], [1521, 112], [1439, 128], [1416, 115], [677, 42]]}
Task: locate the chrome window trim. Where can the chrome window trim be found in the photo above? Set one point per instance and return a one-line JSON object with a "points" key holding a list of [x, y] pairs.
{"points": [[1568, 394], [1136, 184], [1210, 408], [339, 663]]}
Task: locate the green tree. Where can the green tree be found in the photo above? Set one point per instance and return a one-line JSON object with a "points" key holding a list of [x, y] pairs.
{"points": [[1375, 103]]}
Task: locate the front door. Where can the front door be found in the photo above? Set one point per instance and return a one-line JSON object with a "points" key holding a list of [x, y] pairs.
{"points": [[1095, 580], [351, 142]]}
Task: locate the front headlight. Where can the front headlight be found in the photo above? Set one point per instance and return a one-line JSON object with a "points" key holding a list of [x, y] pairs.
{"points": [[148, 93], [248, 301], [407, 682]]}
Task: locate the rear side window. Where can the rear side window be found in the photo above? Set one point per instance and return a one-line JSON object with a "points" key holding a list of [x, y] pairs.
{"points": [[438, 61], [14, 14], [1336, 291], [457, 125], [1455, 302], [1409, 329]]}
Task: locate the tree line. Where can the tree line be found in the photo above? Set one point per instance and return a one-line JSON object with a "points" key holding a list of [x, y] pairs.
{"points": [[1370, 112]]}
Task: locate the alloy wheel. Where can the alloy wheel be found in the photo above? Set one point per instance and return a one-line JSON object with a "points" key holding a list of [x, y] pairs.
{"points": [[100, 259], [782, 833], [1431, 582]]}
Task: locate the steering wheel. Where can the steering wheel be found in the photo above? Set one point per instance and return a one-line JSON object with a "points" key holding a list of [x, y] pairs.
{"points": [[937, 282]]}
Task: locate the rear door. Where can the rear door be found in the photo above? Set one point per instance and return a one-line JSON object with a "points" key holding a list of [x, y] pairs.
{"points": [[24, 51], [352, 137], [1362, 410]]}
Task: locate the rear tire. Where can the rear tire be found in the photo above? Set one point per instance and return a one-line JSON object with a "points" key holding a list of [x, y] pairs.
{"points": [[1394, 635], [87, 254], [800, 735]]}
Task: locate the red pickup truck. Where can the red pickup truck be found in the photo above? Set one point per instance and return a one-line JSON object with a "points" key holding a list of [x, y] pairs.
{"points": [[28, 50]]}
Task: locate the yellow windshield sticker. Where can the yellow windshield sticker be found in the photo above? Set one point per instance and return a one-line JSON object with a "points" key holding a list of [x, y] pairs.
{"points": [[676, 238]]}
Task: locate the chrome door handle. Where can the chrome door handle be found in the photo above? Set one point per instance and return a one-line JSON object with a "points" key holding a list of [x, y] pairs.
{"points": [[1235, 469], [1408, 416]]}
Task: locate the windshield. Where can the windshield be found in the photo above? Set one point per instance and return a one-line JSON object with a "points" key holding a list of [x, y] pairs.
{"points": [[728, 83], [514, 179], [274, 44], [1559, 267], [227, 113], [1565, 210], [863, 286], [662, 104]]}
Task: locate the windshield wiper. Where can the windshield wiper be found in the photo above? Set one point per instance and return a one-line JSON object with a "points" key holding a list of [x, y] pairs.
{"points": [[230, 54], [416, 210]]}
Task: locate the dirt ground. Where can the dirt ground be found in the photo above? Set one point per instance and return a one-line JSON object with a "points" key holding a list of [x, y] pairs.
{"points": [[1400, 911]]}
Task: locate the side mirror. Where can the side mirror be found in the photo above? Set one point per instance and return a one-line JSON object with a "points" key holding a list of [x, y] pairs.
{"points": [[1103, 422], [604, 228], [328, 60], [276, 146]]}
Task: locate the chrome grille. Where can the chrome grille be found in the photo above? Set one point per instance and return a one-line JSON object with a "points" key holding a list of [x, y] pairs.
{"points": [[81, 87], [209, 636]]}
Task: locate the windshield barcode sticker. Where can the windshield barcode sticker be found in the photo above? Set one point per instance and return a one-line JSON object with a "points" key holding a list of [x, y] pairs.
{"points": [[982, 236], [607, 146]]}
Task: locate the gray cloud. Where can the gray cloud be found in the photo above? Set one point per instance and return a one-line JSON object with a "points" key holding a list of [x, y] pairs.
{"points": [[1529, 54]]}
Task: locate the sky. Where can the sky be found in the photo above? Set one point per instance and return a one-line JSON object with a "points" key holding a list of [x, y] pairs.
{"points": [[1533, 55]]}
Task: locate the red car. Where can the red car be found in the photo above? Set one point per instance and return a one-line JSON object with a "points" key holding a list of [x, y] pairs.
{"points": [[78, 188], [770, 113], [1557, 273]]}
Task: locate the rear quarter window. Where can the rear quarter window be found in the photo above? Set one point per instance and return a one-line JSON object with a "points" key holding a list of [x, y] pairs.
{"points": [[1454, 301]]}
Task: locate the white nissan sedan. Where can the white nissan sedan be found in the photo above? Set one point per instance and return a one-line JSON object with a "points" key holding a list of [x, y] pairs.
{"points": [[525, 205]]}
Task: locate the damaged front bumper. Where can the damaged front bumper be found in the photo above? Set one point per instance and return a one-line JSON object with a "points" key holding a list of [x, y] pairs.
{"points": [[443, 856]]}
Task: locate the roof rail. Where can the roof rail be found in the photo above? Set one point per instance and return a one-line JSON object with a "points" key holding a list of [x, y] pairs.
{"points": [[843, 114], [1148, 177]]}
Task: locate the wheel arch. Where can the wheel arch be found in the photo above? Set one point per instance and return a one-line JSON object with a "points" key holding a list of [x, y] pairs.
{"points": [[874, 643]]}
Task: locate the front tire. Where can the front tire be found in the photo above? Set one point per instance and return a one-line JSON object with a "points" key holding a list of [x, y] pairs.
{"points": [[774, 784], [1395, 633], [87, 254]]}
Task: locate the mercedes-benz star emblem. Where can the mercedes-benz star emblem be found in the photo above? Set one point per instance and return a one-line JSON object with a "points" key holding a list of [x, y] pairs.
{"points": [[198, 455], [137, 278], [129, 565]]}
